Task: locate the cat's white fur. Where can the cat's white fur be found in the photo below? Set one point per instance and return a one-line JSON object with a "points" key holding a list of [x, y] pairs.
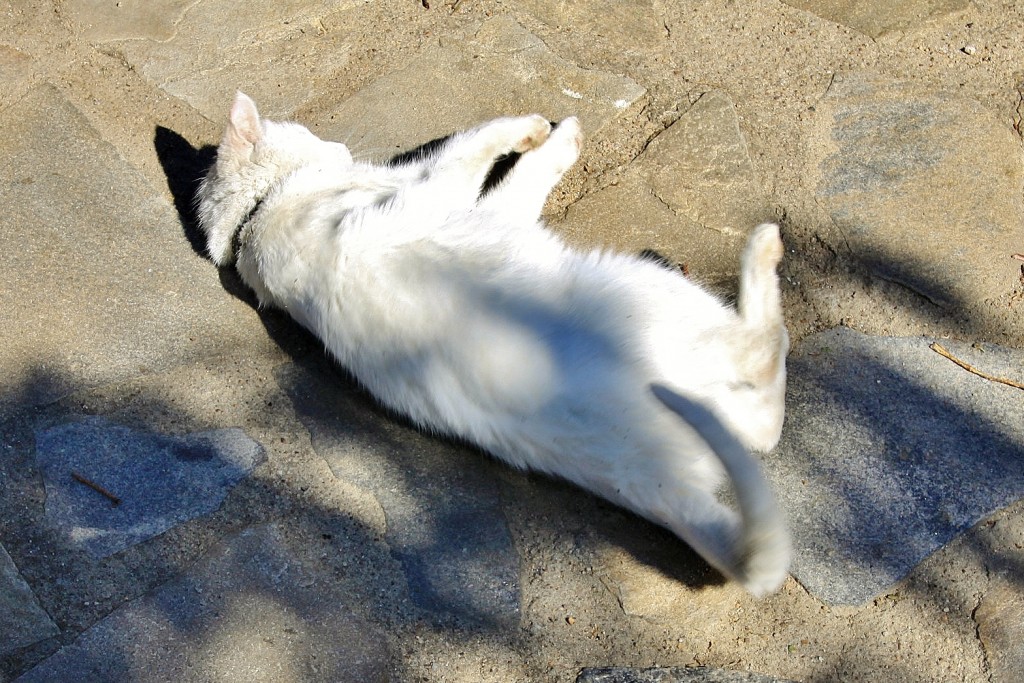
{"points": [[465, 313]]}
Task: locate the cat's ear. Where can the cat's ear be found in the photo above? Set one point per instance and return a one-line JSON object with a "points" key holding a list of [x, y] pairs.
{"points": [[244, 130]]}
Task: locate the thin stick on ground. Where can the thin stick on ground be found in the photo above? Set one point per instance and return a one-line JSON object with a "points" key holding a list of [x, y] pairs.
{"points": [[114, 500], [941, 350]]}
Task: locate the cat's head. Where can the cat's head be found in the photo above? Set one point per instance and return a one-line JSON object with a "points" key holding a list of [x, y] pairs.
{"points": [[253, 155]]}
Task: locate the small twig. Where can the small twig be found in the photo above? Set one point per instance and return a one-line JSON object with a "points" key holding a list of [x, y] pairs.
{"points": [[114, 500], [941, 350]]}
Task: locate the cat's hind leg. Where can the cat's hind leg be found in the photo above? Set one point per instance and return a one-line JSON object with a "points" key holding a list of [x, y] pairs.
{"points": [[522, 193], [760, 351], [460, 168], [759, 300]]}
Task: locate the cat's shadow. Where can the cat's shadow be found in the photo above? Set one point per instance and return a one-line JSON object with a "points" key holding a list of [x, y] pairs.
{"points": [[185, 166]]}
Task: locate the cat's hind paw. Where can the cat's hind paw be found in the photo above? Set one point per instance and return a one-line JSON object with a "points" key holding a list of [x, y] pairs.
{"points": [[764, 249]]}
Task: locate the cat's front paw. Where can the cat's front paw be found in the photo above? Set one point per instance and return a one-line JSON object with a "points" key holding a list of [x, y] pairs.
{"points": [[571, 131], [531, 132], [564, 144]]}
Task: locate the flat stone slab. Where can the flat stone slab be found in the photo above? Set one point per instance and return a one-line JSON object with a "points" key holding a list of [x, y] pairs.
{"points": [[632, 28], [22, 621], [157, 20], [504, 69], [441, 502], [675, 674], [925, 187], [692, 196], [98, 280], [250, 610], [878, 17], [1000, 618], [275, 51], [159, 480], [890, 451]]}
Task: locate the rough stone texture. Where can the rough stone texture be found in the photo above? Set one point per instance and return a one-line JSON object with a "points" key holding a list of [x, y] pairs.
{"points": [[15, 73], [99, 282], [444, 520], [889, 451], [433, 96], [22, 621], [248, 611], [160, 480], [633, 28], [692, 195], [925, 187], [878, 17], [656, 586], [155, 21], [697, 674], [267, 53], [1000, 618]]}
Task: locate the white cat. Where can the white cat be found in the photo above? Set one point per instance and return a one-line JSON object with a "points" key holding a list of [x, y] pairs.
{"points": [[465, 313]]}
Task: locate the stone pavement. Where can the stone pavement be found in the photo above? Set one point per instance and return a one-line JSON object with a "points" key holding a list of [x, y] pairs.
{"points": [[190, 490]]}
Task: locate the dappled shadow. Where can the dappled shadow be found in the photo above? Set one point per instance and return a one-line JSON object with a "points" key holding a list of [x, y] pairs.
{"points": [[77, 588], [844, 287], [926, 462], [446, 526], [335, 411]]}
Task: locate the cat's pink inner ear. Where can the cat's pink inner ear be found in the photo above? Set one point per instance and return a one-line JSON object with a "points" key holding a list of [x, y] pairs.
{"points": [[244, 126]]}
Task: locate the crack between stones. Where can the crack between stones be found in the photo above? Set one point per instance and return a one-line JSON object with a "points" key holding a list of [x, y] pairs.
{"points": [[1017, 124], [986, 664], [654, 193]]}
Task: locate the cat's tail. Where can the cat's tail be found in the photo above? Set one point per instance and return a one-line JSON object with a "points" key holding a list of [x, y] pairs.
{"points": [[759, 557]]}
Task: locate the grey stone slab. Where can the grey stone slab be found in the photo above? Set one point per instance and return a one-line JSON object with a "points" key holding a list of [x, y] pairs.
{"points": [[925, 187], [22, 621], [445, 523], [250, 610], [1000, 618], [890, 451], [160, 480], [692, 195], [504, 69], [675, 674], [878, 17], [98, 280]]}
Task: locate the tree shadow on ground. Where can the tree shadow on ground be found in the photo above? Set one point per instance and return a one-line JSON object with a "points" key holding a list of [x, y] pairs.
{"points": [[77, 600]]}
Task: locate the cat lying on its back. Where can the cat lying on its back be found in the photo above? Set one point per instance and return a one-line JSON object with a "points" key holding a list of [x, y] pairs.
{"points": [[465, 313]]}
